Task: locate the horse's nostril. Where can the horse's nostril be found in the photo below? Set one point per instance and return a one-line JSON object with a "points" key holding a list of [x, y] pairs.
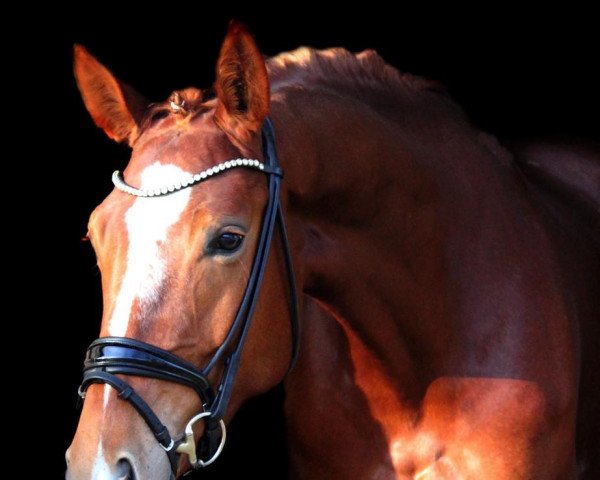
{"points": [[125, 470]]}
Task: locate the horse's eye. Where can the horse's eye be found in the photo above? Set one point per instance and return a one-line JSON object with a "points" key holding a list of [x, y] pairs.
{"points": [[228, 242]]}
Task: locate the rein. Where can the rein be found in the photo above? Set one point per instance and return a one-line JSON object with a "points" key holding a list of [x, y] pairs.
{"points": [[108, 357]]}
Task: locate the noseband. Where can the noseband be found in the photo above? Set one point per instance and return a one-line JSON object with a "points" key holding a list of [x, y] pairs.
{"points": [[108, 357]]}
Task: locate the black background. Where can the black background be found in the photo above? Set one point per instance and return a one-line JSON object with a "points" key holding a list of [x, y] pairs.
{"points": [[517, 75]]}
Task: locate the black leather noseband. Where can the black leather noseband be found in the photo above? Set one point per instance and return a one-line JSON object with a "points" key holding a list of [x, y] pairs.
{"points": [[108, 357]]}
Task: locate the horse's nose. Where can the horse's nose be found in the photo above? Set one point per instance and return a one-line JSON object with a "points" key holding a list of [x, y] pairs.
{"points": [[125, 470], [68, 456]]}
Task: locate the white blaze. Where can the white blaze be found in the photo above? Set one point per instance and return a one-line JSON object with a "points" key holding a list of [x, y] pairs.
{"points": [[106, 396], [101, 470], [148, 221]]}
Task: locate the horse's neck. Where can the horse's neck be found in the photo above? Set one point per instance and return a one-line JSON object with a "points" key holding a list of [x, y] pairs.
{"points": [[375, 221], [409, 253]]}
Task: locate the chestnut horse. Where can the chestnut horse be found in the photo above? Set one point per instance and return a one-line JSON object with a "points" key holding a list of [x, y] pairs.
{"points": [[449, 289]]}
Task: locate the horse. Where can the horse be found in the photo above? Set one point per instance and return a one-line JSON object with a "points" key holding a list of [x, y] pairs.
{"points": [[446, 285]]}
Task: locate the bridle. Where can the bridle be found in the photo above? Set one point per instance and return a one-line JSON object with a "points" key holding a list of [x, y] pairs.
{"points": [[108, 357]]}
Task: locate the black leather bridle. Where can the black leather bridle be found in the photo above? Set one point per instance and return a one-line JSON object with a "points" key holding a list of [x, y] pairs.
{"points": [[108, 357]]}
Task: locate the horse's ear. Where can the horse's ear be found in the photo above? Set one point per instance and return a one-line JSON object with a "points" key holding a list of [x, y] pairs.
{"points": [[242, 85], [115, 106]]}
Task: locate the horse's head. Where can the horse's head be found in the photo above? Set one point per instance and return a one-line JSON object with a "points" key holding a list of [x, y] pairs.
{"points": [[175, 266]]}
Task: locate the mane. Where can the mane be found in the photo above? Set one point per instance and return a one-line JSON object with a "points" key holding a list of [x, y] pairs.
{"points": [[368, 78], [423, 106], [342, 70]]}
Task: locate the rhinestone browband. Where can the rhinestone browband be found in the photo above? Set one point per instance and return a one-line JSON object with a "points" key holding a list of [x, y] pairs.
{"points": [[117, 178]]}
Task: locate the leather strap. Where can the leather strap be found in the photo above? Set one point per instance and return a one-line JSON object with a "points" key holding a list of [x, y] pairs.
{"points": [[127, 393], [127, 356]]}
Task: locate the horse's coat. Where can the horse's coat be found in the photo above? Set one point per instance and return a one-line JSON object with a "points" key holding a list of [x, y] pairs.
{"points": [[451, 293]]}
